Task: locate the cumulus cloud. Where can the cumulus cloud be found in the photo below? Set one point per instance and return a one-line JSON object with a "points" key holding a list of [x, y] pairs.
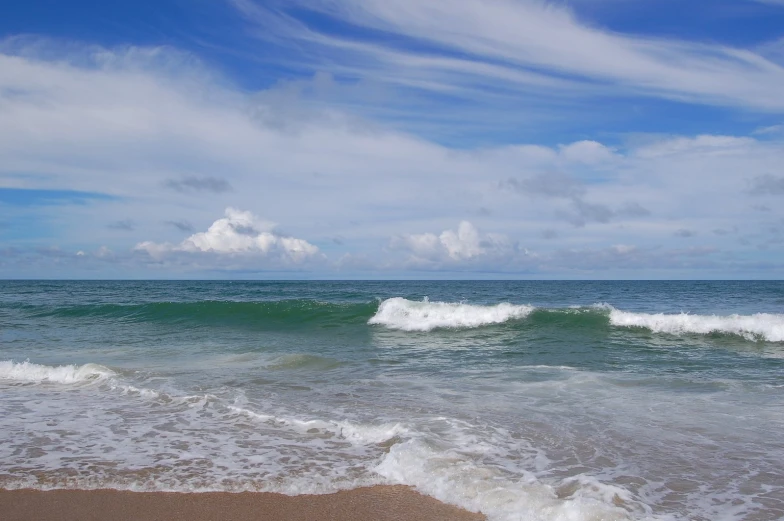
{"points": [[588, 152], [238, 233], [464, 244]]}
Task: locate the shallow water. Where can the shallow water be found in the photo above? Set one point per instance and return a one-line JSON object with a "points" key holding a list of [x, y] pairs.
{"points": [[525, 400]]}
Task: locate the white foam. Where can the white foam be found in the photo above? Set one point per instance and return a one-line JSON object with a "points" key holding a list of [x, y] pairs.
{"points": [[760, 326], [362, 434], [408, 315], [453, 476], [26, 372], [179, 442]]}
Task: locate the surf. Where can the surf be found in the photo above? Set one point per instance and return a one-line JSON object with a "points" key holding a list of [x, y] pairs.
{"points": [[407, 315], [30, 373], [424, 316], [759, 326]]}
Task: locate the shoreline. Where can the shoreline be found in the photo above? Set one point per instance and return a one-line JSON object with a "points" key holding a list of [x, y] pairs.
{"points": [[376, 503]]}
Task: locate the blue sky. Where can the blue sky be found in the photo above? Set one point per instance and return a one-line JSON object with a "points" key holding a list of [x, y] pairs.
{"points": [[384, 139]]}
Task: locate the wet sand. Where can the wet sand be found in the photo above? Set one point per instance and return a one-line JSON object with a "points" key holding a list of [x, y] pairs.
{"points": [[379, 503]]}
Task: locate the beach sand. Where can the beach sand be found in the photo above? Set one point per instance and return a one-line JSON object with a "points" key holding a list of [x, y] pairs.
{"points": [[379, 503]]}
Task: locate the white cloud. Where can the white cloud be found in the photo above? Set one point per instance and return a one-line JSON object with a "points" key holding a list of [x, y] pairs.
{"points": [[771, 129], [238, 233], [175, 146], [464, 244], [588, 152], [524, 45]]}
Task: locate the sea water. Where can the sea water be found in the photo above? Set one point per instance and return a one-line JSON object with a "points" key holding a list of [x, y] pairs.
{"points": [[522, 400]]}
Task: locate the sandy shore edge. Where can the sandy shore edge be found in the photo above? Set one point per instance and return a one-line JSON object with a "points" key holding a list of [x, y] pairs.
{"points": [[378, 503]]}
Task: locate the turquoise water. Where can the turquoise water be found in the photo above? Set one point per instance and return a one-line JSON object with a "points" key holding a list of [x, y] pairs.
{"points": [[523, 400]]}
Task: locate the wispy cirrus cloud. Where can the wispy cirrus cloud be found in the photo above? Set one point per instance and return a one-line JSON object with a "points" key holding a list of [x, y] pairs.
{"points": [[504, 47]]}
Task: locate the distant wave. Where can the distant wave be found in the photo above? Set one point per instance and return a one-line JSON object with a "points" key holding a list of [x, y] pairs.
{"points": [[760, 326], [217, 313], [26, 372], [408, 315]]}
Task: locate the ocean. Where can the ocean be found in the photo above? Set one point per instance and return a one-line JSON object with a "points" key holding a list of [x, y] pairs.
{"points": [[523, 400]]}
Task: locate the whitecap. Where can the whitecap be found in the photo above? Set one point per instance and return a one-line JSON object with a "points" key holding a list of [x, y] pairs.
{"points": [[407, 315], [760, 326], [27, 372]]}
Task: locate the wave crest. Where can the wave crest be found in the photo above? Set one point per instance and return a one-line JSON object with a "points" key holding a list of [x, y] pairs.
{"points": [[407, 315], [760, 326], [26, 372]]}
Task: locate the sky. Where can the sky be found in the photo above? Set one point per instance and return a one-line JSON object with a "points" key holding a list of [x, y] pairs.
{"points": [[385, 139]]}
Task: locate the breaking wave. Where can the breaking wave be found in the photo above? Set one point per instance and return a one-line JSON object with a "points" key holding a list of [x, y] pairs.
{"points": [[408, 315], [26, 372], [760, 326]]}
